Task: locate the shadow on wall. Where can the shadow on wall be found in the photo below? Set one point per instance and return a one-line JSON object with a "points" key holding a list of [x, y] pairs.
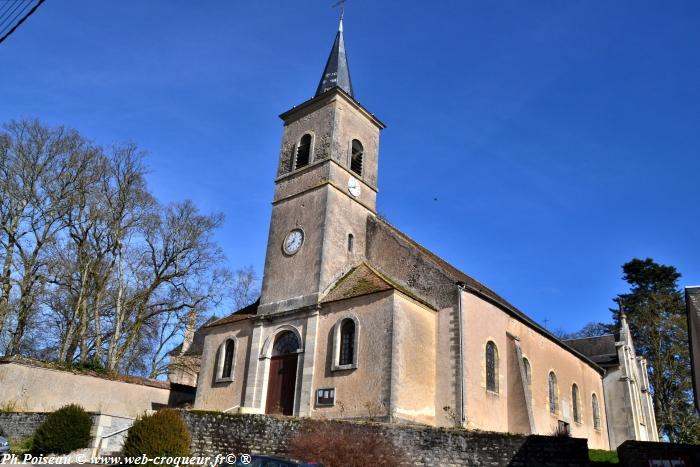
{"points": [[180, 395], [538, 450]]}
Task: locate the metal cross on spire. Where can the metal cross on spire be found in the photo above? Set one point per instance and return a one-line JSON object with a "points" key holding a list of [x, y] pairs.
{"points": [[341, 4]]}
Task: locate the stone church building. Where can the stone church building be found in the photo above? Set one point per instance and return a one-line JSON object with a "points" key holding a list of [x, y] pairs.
{"points": [[356, 320]]}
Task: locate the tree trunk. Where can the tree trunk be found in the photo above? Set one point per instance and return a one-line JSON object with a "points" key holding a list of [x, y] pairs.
{"points": [[63, 353], [119, 316], [26, 303], [97, 324], [82, 334], [6, 280], [6, 286]]}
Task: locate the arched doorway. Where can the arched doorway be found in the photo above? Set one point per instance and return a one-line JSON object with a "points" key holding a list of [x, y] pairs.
{"points": [[283, 374]]}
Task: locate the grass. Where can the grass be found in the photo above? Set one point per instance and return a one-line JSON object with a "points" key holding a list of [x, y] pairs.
{"points": [[11, 406], [601, 457], [22, 446]]}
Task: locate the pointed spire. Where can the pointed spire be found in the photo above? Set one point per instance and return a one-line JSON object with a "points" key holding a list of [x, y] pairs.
{"points": [[624, 327], [337, 72]]}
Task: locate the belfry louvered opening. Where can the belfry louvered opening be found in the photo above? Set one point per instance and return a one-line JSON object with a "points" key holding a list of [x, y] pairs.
{"points": [[356, 157], [303, 151]]}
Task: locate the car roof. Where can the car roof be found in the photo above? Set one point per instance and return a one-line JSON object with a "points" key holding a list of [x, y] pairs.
{"points": [[281, 459]]}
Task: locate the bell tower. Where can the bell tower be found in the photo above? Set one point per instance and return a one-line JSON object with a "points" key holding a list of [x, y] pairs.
{"points": [[326, 186]]}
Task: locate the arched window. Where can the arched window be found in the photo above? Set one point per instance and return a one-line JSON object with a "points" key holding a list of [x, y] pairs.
{"points": [[351, 242], [596, 412], [356, 157], [285, 344], [491, 367], [576, 402], [528, 371], [347, 342], [227, 355], [553, 396], [303, 151]]}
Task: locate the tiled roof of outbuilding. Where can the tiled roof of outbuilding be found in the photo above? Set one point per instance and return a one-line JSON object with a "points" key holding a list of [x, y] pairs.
{"points": [[243, 313]]}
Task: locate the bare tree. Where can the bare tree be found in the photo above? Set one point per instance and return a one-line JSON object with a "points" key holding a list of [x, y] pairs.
{"points": [[92, 268], [179, 271], [40, 170], [244, 290]]}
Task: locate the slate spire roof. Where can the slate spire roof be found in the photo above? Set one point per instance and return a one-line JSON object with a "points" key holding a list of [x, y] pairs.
{"points": [[336, 73]]}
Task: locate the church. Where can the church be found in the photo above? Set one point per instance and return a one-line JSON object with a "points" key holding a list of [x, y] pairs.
{"points": [[357, 321]]}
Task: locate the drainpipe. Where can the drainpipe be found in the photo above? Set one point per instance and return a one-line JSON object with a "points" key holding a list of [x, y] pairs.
{"points": [[460, 360]]}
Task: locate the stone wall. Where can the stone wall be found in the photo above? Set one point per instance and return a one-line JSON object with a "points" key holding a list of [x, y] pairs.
{"points": [[215, 433], [634, 453], [18, 425]]}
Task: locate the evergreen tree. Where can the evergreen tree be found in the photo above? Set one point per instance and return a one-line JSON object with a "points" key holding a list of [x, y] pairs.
{"points": [[655, 312]]}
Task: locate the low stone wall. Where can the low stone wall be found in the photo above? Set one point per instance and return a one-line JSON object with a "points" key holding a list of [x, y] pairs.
{"points": [[18, 425], [634, 453], [215, 433], [107, 430]]}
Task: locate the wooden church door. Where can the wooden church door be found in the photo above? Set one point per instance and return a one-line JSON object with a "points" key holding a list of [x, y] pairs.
{"points": [[281, 384]]}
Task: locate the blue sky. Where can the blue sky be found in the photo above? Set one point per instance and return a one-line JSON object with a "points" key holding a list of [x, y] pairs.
{"points": [[535, 145]]}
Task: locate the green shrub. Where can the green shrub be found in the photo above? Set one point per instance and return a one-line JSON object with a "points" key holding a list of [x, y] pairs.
{"points": [[93, 365], [63, 431], [162, 434], [602, 457]]}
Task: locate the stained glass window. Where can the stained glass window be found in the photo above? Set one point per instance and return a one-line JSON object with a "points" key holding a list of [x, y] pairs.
{"points": [[491, 367], [596, 412], [576, 403], [553, 402]]}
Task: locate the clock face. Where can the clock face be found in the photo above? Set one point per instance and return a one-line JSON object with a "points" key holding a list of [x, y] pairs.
{"points": [[293, 241], [354, 187]]}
